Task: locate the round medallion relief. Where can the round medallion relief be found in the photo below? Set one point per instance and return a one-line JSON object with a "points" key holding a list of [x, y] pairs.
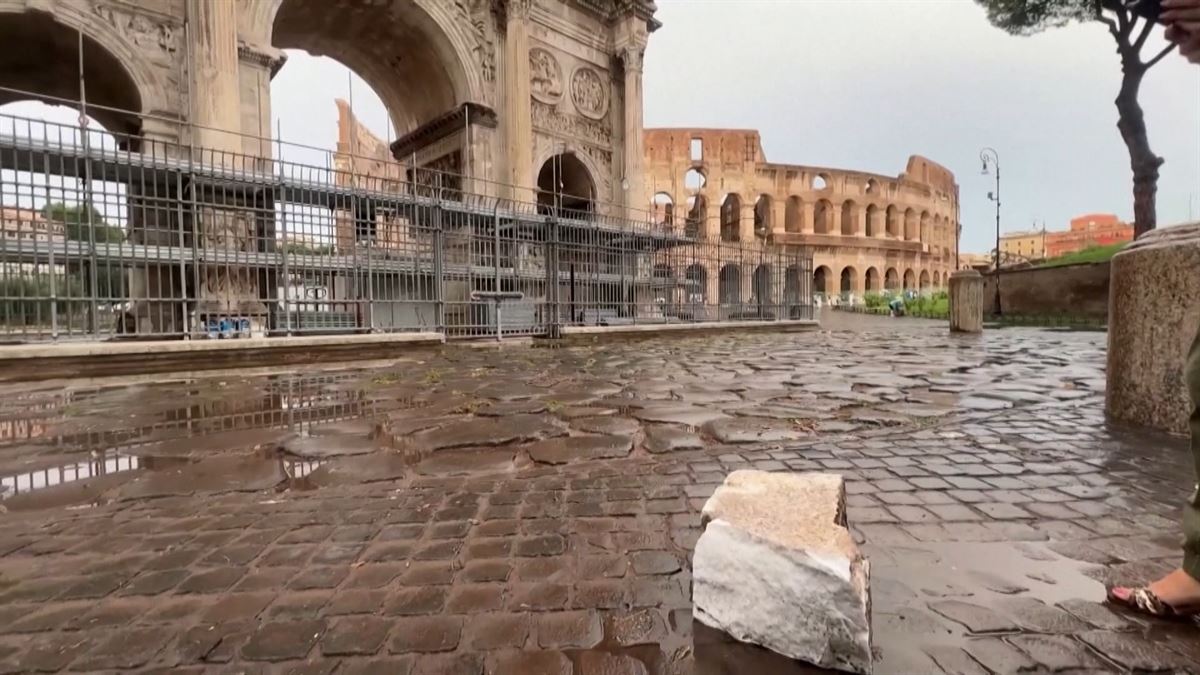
{"points": [[589, 93]]}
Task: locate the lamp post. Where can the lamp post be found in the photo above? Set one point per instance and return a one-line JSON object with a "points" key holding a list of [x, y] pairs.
{"points": [[989, 156]]}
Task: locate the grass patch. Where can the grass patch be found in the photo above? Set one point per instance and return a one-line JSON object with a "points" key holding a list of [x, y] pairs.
{"points": [[1093, 254]]}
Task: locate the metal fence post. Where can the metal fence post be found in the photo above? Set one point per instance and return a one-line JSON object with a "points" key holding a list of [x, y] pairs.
{"points": [[439, 281], [551, 257]]}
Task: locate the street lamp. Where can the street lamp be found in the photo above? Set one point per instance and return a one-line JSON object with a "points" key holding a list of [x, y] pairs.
{"points": [[988, 156]]}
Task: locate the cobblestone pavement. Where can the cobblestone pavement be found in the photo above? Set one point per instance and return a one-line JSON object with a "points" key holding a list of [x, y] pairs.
{"points": [[521, 510]]}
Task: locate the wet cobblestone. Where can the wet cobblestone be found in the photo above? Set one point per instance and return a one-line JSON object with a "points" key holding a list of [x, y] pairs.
{"points": [[376, 520]]}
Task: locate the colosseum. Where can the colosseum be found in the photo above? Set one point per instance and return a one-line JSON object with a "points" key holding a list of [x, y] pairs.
{"points": [[867, 232]]}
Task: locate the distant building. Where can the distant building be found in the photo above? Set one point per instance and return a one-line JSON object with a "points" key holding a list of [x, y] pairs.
{"points": [[1093, 229], [27, 229], [1027, 245], [975, 261]]}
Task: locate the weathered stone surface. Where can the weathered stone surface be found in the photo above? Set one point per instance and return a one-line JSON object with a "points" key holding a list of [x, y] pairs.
{"points": [[487, 431], [1154, 312], [662, 438], [579, 449], [776, 566], [755, 430], [966, 302]]}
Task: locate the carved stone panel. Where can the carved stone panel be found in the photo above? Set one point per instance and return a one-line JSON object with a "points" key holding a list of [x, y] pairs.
{"points": [[551, 119], [589, 93], [545, 74]]}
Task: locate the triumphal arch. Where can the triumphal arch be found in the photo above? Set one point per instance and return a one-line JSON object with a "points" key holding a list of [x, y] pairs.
{"points": [[505, 94]]}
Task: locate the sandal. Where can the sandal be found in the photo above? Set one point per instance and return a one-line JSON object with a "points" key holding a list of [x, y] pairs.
{"points": [[1144, 601]]}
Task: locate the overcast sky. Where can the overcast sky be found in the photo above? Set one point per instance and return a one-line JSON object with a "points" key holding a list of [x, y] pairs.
{"points": [[862, 84]]}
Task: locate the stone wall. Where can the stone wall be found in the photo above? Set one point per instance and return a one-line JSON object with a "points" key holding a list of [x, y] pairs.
{"points": [[1072, 290]]}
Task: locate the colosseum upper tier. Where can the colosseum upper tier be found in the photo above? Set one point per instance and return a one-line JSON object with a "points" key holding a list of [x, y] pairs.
{"points": [[867, 232]]}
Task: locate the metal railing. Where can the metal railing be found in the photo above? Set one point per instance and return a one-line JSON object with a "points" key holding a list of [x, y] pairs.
{"points": [[105, 236]]}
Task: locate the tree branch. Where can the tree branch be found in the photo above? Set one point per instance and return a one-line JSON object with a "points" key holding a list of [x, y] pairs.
{"points": [[1159, 57], [1123, 21], [1147, 27]]}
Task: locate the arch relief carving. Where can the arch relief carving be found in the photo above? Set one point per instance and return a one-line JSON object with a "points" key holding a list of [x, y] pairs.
{"points": [[589, 93], [545, 76]]}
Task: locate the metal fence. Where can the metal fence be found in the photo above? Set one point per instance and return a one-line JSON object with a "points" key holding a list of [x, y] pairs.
{"points": [[104, 236]]}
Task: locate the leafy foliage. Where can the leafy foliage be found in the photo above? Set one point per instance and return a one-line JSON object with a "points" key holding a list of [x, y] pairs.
{"points": [[76, 220], [1026, 17]]}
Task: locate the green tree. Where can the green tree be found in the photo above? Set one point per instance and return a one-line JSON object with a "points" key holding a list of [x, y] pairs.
{"points": [[1130, 31], [110, 277], [75, 218]]}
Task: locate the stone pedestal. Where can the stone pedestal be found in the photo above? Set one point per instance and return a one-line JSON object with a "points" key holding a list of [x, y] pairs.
{"points": [[1153, 315], [966, 302]]}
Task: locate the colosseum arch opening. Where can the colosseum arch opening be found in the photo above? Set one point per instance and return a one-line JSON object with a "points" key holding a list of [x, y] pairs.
{"points": [[764, 290], [696, 279], [663, 208], [729, 285], [849, 218], [924, 280], [910, 280], [694, 179], [891, 279], [731, 216], [823, 217], [894, 226], [793, 215], [849, 277], [762, 216], [874, 226], [872, 279], [822, 278], [926, 228]]}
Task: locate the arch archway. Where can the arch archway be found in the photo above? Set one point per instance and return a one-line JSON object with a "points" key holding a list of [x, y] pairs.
{"points": [[848, 279], [893, 225], [924, 280], [823, 217], [822, 280], [729, 285], [731, 216], [763, 290], [663, 208], [793, 216], [565, 187], [873, 284], [891, 279], [762, 216], [849, 218], [696, 279], [927, 234], [874, 227], [41, 55], [793, 290], [415, 54], [910, 280]]}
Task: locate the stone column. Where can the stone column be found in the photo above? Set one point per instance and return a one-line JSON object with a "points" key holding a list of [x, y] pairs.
{"points": [[1153, 315], [966, 302], [216, 104], [746, 224], [634, 153], [809, 225], [518, 112], [860, 221], [228, 292]]}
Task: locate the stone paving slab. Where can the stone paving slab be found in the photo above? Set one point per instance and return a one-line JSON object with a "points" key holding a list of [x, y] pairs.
{"points": [[991, 532]]}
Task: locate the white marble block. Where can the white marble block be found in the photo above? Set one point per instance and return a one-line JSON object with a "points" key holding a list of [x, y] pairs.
{"points": [[777, 567]]}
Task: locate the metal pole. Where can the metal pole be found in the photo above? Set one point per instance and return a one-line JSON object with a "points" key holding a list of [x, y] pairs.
{"points": [[87, 193], [283, 233], [998, 309]]}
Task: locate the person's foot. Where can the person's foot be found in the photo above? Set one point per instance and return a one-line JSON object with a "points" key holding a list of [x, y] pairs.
{"points": [[1175, 594]]}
